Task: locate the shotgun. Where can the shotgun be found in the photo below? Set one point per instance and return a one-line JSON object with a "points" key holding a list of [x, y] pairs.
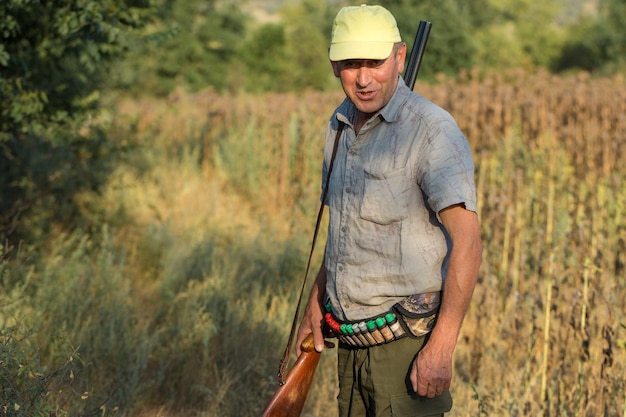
{"points": [[289, 398]]}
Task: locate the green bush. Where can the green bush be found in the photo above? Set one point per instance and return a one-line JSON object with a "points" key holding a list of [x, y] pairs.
{"points": [[30, 388]]}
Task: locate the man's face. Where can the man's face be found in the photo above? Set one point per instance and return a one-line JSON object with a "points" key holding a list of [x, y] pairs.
{"points": [[370, 83]]}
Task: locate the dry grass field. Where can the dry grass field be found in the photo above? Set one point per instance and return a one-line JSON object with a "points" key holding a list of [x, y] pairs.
{"points": [[185, 301], [546, 332]]}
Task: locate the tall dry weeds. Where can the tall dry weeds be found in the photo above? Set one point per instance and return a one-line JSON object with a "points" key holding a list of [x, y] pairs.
{"points": [[545, 333], [215, 209]]}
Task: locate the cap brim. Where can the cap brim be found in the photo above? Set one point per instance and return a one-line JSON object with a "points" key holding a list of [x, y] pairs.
{"points": [[360, 50]]}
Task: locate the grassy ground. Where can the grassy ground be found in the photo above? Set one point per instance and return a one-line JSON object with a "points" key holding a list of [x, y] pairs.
{"points": [[177, 301]]}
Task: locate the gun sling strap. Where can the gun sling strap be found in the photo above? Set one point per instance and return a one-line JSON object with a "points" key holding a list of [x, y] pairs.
{"points": [[282, 371]]}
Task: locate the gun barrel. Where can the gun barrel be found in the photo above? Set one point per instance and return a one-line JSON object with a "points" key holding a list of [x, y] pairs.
{"points": [[417, 52]]}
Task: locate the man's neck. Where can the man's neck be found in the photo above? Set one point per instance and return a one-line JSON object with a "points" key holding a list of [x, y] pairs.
{"points": [[360, 119]]}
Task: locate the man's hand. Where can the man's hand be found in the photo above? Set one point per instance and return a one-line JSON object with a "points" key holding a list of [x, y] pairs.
{"points": [[313, 318], [432, 372]]}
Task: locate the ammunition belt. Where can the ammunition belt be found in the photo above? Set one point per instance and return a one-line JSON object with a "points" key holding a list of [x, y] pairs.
{"points": [[413, 316]]}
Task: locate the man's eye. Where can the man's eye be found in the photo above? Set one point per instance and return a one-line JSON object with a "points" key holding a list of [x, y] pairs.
{"points": [[358, 63]]}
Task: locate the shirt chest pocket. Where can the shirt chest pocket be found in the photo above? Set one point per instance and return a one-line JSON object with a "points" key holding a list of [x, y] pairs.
{"points": [[385, 197]]}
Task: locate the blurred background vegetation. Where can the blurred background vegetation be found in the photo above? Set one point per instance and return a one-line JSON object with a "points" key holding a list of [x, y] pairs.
{"points": [[62, 62], [159, 166]]}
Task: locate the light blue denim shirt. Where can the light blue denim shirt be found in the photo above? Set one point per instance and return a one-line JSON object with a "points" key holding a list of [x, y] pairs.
{"points": [[385, 239]]}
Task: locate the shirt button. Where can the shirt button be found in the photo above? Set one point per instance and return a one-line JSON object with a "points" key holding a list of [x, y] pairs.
{"points": [[343, 229], [340, 268], [347, 190]]}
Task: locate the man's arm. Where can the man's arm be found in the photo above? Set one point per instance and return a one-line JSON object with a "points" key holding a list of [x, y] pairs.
{"points": [[313, 317], [432, 369]]}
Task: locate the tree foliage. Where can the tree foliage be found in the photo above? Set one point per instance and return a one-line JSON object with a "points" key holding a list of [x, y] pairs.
{"points": [[450, 46], [597, 42], [54, 57], [530, 33], [308, 26], [265, 74], [193, 45], [219, 45]]}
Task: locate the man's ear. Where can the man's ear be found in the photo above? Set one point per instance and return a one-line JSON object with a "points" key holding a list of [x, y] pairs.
{"points": [[335, 66], [401, 57]]}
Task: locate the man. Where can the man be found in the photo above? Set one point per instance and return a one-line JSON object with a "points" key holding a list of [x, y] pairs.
{"points": [[403, 221]]}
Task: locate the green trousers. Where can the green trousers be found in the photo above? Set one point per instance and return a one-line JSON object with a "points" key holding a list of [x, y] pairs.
{"points": [[374, 382]]}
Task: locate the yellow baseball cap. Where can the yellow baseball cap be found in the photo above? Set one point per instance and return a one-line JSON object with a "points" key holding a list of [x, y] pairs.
{"points": [[363, 32]]}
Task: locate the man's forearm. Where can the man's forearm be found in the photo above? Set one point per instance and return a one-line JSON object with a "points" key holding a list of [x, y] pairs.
{"points": [[461, 275], [457, 294]]}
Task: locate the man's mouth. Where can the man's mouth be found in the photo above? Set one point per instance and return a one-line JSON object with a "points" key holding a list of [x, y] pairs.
{"points": [[365, 95]]}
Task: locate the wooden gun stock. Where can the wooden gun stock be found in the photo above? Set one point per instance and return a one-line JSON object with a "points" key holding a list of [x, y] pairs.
{"points": [[288, 400]]}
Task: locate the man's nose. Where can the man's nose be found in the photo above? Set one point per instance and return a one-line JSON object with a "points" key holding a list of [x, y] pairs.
{"points": [[364, 76]]}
